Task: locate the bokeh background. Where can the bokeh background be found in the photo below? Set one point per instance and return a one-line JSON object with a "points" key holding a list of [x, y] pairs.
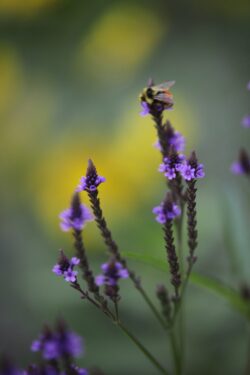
{"points": [[70, 76]]}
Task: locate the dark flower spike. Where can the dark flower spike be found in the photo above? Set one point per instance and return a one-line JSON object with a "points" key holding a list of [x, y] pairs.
{"points": [[169, 211], [242, 166], [165, 302], [80, 248], [91, 174], [191, 213]]}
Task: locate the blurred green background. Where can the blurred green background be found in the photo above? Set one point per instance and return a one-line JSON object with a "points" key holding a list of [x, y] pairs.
{"points": [[70, 76]]}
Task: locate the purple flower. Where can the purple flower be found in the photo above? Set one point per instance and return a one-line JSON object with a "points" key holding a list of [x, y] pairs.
{"points": [[91, 181], [145, 109], [65, 267], [167, 210], [76, 221], [112, 272], [187, 172], [190, 169], [57, 344], [242, 166], [172, 164], [248, 86], [246, 121]]}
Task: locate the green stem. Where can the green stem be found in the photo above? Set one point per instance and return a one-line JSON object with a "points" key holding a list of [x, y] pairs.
{"points": [[181, 331], [175, 353], [152, 307], [142, 348], [247, 371]]}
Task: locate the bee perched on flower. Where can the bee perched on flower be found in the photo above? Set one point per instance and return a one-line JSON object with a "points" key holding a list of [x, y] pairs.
{"points": [[156, 97]]}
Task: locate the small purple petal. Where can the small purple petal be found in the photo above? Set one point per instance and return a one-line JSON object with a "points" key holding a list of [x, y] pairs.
{"points": [[200, 171], [161, 218], [74, 261], [57, 270], [123, 273], [170, 173], [50, 350], [35, 346], [145, 109], [70, 276], [187, 172], [157, 210], [100, 280], [162, 167], [236, 168], [246, 121]]}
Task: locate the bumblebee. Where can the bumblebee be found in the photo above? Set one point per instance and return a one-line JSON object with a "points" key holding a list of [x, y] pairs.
{"points": [[158, 94]]}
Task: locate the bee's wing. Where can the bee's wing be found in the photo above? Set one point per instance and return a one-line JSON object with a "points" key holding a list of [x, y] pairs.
{"points": [[165, 85], [164, 98]]}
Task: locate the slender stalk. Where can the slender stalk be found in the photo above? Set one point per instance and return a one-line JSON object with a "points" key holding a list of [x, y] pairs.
{"points": [[115, 320], [175, 353], [151, 358], [181, 326], [247, 370], [153, 308]]}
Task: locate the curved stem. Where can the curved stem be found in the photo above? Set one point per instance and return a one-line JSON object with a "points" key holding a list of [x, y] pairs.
{"points": [[151, 358], [152, 307]]}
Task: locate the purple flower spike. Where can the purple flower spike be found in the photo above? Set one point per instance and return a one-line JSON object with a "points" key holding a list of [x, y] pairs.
{"points": [[57, 344], [167, 210], [112, 272], [91, 181], [65, 267], [75, 219], [246, 121], [248, 86], [145, 109]]}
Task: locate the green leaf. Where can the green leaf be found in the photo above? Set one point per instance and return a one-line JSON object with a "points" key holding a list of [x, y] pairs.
{"points": [[211, 284]]}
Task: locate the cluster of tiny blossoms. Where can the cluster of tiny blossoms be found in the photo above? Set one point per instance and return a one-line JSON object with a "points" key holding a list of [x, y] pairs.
{"points": [[58, 344], [65, 267], [58, 350], [242, 165], [175, 163]]}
